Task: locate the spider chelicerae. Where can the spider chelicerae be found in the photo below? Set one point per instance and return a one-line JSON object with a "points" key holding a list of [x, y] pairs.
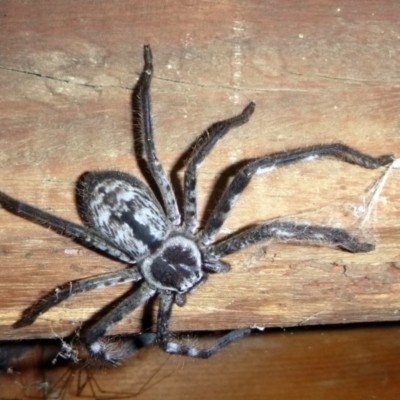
{"points": [[165, 252]]}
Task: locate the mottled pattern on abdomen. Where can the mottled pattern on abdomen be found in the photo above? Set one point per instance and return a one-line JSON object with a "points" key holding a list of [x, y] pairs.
{"points": [[123, 210]]}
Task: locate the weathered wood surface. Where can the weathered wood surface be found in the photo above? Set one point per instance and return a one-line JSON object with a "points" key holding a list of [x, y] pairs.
{"points": [[318, 73]]}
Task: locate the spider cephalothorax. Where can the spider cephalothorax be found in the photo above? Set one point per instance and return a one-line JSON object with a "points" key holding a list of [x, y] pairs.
{"points": [[170, 257]]}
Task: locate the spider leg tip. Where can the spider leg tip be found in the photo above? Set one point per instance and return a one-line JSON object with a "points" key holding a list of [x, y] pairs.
{"points": [[19, 324], [249, 109], [358, 247], [147, 55], [386, 159], [25, 320]]}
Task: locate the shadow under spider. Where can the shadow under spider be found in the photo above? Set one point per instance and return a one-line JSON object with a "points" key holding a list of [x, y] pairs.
{"points": [[85, 379]]}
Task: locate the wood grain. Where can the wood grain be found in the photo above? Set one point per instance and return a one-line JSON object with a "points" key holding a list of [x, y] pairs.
{"points": [[318, 74], [307, 364]]}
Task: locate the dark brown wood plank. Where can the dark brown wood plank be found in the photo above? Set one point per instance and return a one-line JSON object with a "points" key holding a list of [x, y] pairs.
{"points": [[356, 363], [319, 73]]}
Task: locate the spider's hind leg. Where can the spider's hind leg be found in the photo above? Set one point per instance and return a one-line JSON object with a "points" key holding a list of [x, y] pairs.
{"points": [[113, 349], [164, 336], [94, 338], [72, 288]]}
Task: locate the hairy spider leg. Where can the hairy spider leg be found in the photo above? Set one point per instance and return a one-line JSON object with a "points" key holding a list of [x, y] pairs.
{"points": [[144, 116], [269, 163], [290, 232], [164, 336], [72, 288], [202, 147], [121, 310], [85, 236], [119, 347]]}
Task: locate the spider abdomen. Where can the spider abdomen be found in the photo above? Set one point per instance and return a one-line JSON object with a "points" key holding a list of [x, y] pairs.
{"points": [[123, 210]]}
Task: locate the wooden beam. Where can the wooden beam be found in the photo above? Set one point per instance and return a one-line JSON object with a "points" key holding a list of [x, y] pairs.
{"points": [[318, 74]]}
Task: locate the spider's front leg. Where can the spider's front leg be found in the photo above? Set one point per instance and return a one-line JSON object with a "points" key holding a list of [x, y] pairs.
{"points": [[269, 163], [201, 149], [164, 335], [143, 117], [291, 233]]}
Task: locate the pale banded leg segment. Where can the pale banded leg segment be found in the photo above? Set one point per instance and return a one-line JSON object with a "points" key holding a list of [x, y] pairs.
{"points": [[116, 348], [120, 311], [164, 336]]}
